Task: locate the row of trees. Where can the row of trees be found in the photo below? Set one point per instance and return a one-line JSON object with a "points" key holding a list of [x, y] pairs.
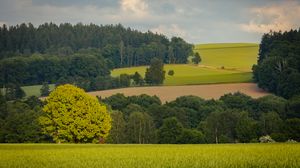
{"points": [[190, 119], [122, 47], [278, 66], [37, 69], [144, 119]]}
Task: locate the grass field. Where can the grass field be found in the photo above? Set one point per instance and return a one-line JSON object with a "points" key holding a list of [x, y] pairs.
{"points": [[240, 56], [35, 89], [221, 63], [152, 156], [186, 74]]}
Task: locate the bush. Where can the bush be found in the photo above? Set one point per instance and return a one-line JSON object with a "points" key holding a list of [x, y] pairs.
{"points": [[279, 137], [266, 139], [171, 72]]}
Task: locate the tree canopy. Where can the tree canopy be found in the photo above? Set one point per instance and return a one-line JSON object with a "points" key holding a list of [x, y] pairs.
{"points": [[71, 115], [278, 66]]}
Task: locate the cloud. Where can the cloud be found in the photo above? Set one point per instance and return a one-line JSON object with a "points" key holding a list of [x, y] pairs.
{"points": [[138, 8], [283, 16], [170, 30]]}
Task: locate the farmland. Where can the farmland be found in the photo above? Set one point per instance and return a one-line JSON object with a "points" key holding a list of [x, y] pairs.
{"points": [[221, 63], [187, 74], [179, 156], [239, 56], [170, 93]]}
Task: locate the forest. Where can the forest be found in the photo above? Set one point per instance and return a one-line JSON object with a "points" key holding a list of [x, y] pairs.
{"points": [[187, 120], [52, 53], [278, 66]]}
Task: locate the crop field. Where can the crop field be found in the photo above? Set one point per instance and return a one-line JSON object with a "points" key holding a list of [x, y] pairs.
{"points": [[187, 74], [239, 56], [152, 156], [169, 93], [221, 63]]}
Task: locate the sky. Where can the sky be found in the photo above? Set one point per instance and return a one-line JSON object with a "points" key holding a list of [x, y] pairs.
{"points": [[196, 21]]}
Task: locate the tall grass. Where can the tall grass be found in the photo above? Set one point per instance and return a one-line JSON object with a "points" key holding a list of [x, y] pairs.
{"points": [[153, 156]]}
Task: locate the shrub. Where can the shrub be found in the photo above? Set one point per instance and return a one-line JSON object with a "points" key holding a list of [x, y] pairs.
{"points": [[266, 139], [171, 72]]}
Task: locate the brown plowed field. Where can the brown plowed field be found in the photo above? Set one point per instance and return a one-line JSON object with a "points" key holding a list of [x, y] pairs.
{"points": [[169, 93]]}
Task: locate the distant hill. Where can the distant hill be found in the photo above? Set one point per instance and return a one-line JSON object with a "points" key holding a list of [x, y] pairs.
{"points": [[221, 63], [238, 56]]}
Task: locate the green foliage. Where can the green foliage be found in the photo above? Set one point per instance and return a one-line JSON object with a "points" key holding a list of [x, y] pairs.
{"points": [[270, 123], [171, 72], [294, 107], [170, 131], [13, 92], [277, 69], [45, 90], [155, 74], [138, 79], [140, 128], [196, 59], [19, 122], [293, 128], [117, 133], [124, 80], [71, 115], [189, 136]]}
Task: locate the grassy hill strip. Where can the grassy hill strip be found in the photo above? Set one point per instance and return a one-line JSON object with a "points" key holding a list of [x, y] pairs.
{"points": [[238, 56], [186, 74]]}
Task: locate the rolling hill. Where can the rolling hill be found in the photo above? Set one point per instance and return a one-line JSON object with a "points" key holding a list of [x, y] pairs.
{"points": [[221, 63]]}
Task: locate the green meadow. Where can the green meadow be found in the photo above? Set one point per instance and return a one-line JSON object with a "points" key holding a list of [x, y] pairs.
{"points": [[239, 56], [221, 63], [153, 156], [187, 74]]}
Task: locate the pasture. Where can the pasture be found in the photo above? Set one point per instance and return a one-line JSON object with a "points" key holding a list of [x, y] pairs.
{"points": [[187, 74], [152, 156], [238, 56], [221, 63]]}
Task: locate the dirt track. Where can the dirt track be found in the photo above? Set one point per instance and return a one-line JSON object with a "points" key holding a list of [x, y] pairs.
{"points": [[169, 93]]}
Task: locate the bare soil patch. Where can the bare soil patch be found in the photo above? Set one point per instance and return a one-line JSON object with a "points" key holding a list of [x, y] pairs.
{"points": [[169, 93]]}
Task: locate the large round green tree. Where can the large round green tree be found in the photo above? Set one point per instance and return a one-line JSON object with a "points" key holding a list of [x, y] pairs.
{"points": [[71, 115]]}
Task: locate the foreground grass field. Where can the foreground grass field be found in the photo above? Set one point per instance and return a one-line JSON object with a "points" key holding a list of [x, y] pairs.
{"points": [[186, 74], [153, 156]]}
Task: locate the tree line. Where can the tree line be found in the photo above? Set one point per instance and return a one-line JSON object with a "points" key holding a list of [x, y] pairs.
{"points": [[188, 119], [122, 47], [278, 66], [80, 54]]}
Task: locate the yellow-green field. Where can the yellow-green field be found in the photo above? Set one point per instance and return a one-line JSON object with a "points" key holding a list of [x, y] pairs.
{"points": [[240, 56], [187, 74], [152, 156], [221, 63]]}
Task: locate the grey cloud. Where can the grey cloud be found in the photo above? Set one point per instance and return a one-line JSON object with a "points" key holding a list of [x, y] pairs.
{"points": [[199, 21]]}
